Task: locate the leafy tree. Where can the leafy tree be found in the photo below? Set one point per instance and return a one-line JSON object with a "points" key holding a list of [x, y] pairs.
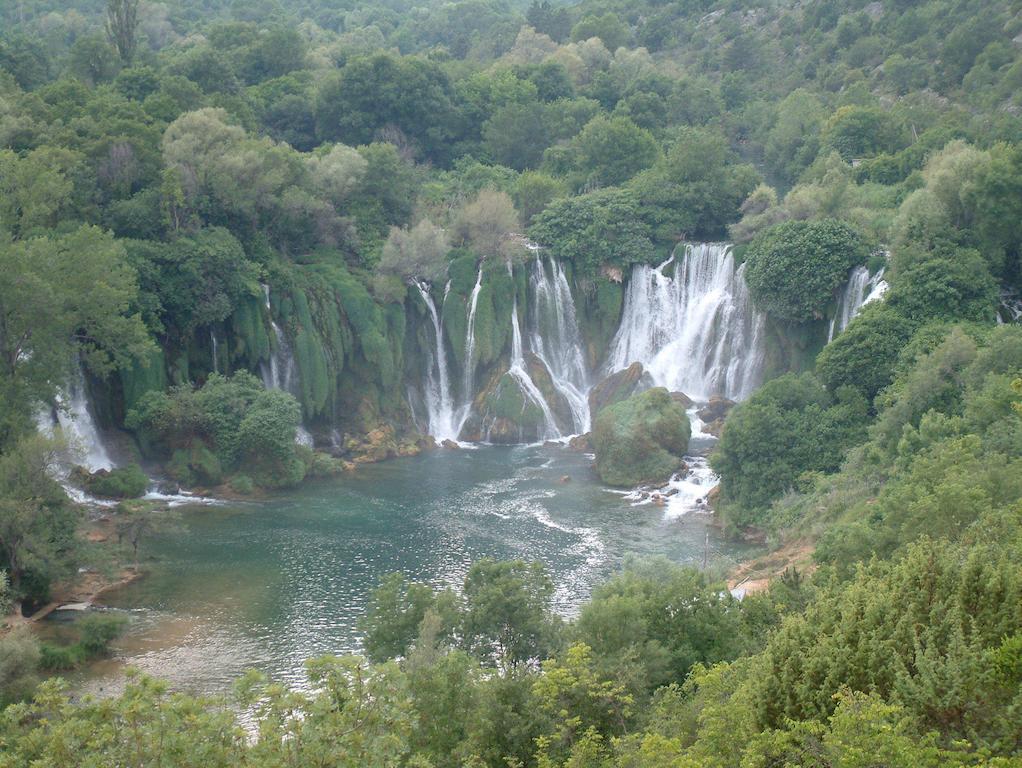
{"points": [[63, 298], [613, 149], [37, 524], [788, 427], [856, 132], [864, 355], [486, 223], [602, 227], [122, 27], [506, 620], [416, 254], [794, 268], [395, 614]]}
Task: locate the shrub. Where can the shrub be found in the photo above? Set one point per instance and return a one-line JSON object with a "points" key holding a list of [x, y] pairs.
{"points": [[794, 268], [128, 482]]}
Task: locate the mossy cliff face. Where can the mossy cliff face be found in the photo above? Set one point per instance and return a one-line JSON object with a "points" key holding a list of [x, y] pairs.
{"points": [[503, 412], [641, 439]]}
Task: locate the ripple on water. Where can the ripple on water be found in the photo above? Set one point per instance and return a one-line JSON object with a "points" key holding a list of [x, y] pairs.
{"points": [[271, 584]]}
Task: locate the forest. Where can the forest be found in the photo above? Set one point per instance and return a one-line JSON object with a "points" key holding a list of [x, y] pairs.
{"points": [[241, 230]]}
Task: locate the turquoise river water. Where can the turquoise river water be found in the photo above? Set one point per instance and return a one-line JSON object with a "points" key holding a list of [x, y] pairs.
{"points": [[271, 583]]}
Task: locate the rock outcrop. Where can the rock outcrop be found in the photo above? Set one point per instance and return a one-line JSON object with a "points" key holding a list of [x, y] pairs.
{"points": [[618, 386], [641, 439]]}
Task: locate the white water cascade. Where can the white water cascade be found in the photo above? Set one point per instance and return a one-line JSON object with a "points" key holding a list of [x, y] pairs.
{"points": [[281, 371], [520, 374], [216, 351], [861, 289], [695, 331], [445, 418], [470, 340], [555, 338], [85, 445]]}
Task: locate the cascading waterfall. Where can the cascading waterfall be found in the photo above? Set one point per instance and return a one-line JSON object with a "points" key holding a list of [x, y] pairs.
{"points": [[72, 415], [445, 420], [860, 290], [696, 331], [520, 374], [470, 340], [216, 355], [555, 338], [281, 371]]}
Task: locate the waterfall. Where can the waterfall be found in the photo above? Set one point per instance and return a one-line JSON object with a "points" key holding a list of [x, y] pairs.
{"points": [[281, 371], [445, 421], [860, 290], [696, 331], [470, 339], [278, 372], [85, 445], [216, 356], [520, 374], [555, 338]]}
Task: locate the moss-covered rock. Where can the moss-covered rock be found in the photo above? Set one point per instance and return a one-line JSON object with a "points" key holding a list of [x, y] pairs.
{"points": [[618, 386], [641, 439], [128, 482], [504, 413]]}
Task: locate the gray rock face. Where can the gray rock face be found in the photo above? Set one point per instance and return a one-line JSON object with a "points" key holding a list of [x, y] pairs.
{"points": [[618, 386]]}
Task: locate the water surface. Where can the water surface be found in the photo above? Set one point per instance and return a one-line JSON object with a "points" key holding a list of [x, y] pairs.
{"points": [[269, 584]]}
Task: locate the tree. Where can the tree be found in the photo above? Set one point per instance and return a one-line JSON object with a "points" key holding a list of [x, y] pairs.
{"points": [[416, 254], [37, 523], [789, 427], [139, 520], [486, 223], [613, 149], [122, 27], [62, 299], [506, 619], [794, 268], [395, 613]]}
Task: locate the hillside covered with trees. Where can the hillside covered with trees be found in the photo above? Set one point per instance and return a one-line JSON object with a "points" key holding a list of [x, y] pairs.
{"points": [[242, 230]]}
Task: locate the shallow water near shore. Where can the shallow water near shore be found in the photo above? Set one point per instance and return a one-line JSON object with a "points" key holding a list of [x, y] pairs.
{"points": [[269, 584]]}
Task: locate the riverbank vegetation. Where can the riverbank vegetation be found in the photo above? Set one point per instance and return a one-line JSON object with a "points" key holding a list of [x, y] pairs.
{"points": [[189, 190]]}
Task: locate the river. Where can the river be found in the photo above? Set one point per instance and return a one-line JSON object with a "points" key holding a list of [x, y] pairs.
{"points": [[271, 583]]}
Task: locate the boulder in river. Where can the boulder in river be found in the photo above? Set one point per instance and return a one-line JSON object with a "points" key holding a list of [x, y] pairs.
{"points": [[641, 439], [714, 413], [618, 386]]}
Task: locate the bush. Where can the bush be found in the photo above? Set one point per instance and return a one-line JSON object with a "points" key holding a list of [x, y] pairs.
{"points": [[19, 664], [641, 439], [242, 484], [229, 424], [864, 355], [788, 428], [948, 285], [794, 268], [128, 482]]}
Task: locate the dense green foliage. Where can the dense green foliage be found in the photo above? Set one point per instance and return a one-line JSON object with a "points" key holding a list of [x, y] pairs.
{"points": [[159, 161], [790, 427], [641, 439], [228, 425], [794, 268]]}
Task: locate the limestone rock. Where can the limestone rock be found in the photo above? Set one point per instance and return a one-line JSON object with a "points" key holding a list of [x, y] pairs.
{"points": [[618, 386]]}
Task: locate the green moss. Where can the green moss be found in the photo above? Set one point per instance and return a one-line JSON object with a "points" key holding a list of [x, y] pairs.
{"points": [[148, 375], [251, 339], [128, 482], [641, 439]]}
